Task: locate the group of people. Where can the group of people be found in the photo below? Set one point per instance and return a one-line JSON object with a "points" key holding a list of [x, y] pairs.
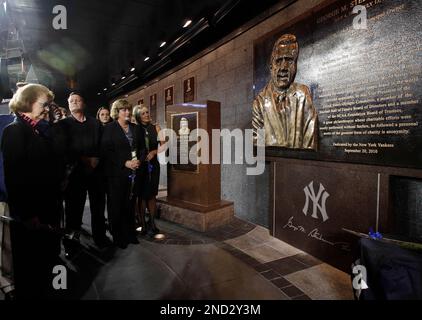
{"points": [[52, 160]]}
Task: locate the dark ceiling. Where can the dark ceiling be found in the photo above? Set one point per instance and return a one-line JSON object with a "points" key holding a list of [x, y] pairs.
{"points": [[105, 39]]}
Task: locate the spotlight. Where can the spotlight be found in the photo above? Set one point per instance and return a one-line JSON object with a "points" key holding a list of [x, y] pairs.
{"points": [[105, 89], [187, 23], [123, 77], [133, 69], [159, 236], [146, 59], [162, 44]]}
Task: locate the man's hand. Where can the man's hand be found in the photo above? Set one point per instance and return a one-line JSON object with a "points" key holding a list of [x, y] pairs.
{"points": [[132, 164]]}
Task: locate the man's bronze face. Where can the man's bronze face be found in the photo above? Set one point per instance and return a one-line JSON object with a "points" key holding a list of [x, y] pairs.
{"points": [[283, 66]]}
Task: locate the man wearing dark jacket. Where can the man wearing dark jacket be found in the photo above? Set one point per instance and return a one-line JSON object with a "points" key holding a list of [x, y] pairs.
{"points": [[83, 143]]}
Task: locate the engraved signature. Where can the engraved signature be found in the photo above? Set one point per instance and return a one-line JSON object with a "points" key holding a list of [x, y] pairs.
{"points": [[292, 226], [316, 234]]}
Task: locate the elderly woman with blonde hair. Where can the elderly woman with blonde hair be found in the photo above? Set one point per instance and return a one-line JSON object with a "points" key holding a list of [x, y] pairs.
{"points": [[149, 171], [33, 175], [123, 145]]}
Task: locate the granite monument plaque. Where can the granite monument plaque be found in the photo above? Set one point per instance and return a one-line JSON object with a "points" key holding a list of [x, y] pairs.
{"points": [[365, 81]]}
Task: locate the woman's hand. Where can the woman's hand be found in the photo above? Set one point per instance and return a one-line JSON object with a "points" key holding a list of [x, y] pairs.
{"points": [[151, 155], [132, 164], [90, 162]]}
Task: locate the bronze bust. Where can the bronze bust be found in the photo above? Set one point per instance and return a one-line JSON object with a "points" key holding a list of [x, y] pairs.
{"points": [[284, 108]]}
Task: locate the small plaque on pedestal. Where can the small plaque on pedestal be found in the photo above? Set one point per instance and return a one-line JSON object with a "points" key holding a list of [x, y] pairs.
{"points": [[194, 189]]}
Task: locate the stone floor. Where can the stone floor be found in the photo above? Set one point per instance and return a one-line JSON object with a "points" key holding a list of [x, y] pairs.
{"points": [[237, 261]]}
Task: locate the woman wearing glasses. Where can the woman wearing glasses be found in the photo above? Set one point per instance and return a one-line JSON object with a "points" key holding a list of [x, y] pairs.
{"points": [[32, 172]]}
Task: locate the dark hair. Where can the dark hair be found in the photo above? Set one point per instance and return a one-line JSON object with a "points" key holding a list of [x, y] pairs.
{"points": [[101, 109], [76, 93]]}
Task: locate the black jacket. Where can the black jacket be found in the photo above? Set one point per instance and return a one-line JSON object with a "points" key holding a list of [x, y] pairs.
{"points": [[32, 172], [116, 150], [83, 138]]}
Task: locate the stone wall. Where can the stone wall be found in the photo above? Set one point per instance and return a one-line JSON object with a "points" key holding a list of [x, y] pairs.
{"points": [[226, 75], [407, 206]]}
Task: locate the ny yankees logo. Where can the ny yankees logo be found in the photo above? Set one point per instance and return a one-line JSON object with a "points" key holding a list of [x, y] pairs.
{"points": [[310, 195]]}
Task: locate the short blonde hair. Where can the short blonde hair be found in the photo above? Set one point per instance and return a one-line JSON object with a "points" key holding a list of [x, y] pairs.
{"points": [[119, 105], [27, 95]]}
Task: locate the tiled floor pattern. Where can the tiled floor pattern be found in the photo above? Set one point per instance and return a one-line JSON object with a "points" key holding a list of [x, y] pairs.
{"points": [[281, 264], [295, 273], [178, 235], [237, 261]]}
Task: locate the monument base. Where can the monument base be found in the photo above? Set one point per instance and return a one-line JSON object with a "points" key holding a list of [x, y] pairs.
{"points": [[196, 217]]}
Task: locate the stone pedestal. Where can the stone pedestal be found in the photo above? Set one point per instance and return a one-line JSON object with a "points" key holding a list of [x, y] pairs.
{"points": [[194, 190], [196, 217]]}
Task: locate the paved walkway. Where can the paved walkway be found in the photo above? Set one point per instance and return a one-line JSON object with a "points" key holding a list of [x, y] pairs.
{"points": [[237, 261]]}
